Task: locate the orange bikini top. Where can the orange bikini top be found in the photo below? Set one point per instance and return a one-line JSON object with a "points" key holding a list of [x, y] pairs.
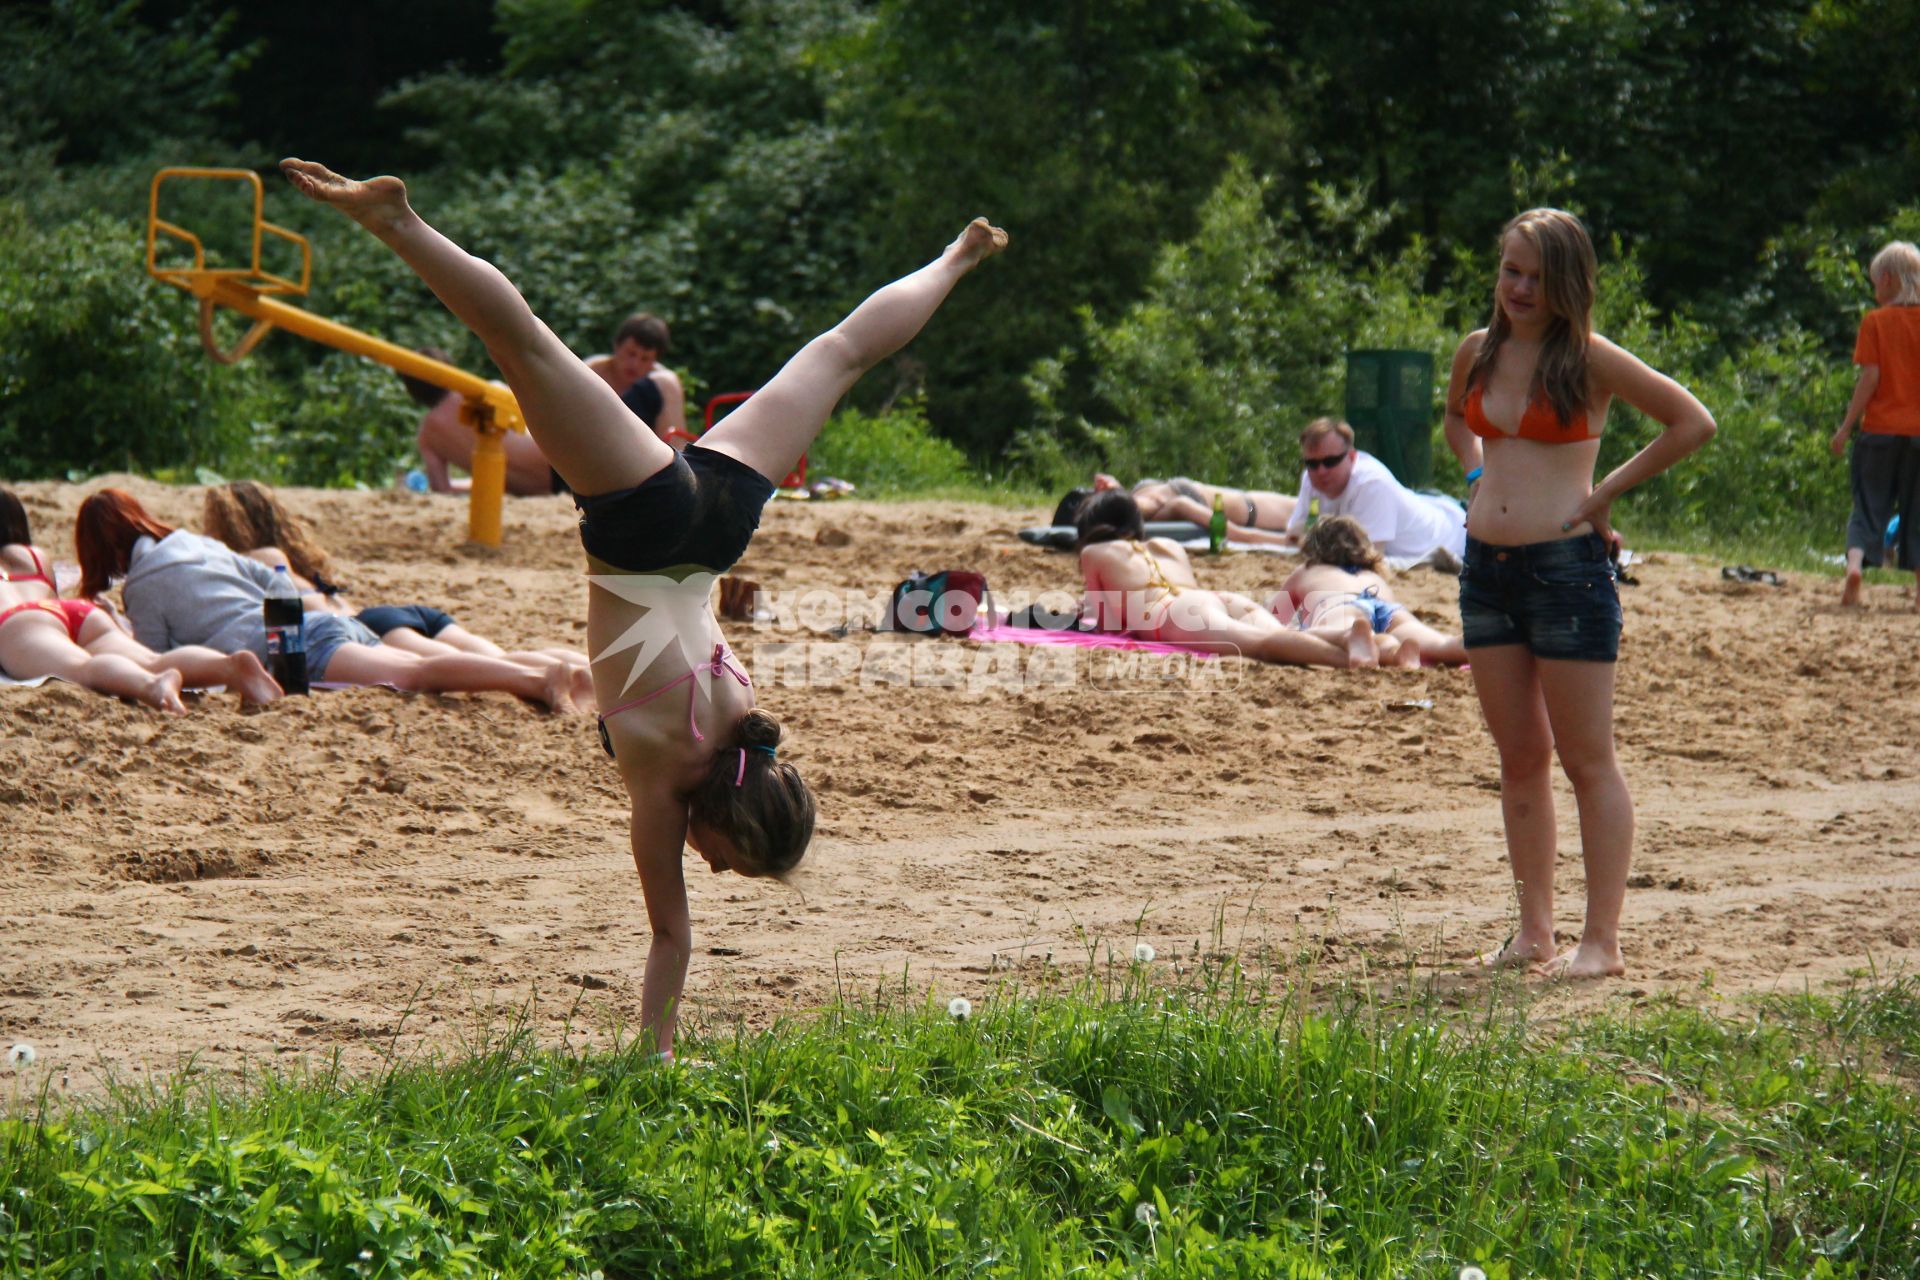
{"points": [[1539, 422]]}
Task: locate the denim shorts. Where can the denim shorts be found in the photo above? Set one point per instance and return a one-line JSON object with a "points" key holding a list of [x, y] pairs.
{"points": [[424, 618], [324, 633], [1557, 598]]}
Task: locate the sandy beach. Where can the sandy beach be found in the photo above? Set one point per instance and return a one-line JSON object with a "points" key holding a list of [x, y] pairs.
{"points": [[365, 873]]}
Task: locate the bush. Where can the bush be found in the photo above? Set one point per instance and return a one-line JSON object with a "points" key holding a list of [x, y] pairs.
{"points": [[352, 424], [101, 367], [890, 452], [1238, 343]]}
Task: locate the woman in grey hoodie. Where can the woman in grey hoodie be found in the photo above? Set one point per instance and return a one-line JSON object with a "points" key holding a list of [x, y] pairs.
{"points": [[185, 589]]}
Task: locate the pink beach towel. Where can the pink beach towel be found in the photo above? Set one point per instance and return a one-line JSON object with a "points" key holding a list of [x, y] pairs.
{"points": [[999, 632]]}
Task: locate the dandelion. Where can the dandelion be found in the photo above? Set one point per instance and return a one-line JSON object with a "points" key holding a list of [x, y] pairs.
{"points": [[1146, 1215], [959, 1008], [21, 1055], [1142, 953], [1472, 1273]]}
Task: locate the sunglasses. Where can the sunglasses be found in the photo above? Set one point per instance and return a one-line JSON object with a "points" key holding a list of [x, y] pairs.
{"points": [[1314, 464]]}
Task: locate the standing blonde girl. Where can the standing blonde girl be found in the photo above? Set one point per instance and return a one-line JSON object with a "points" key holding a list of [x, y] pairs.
{"points": [[1526, 405]]}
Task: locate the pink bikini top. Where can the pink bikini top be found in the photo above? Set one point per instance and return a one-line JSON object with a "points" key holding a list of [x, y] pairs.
{"points": [[721, 661]]}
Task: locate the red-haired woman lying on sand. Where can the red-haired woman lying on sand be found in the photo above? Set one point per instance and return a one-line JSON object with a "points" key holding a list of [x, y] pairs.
{"points": [[185, 589], [657, 527], [43, 635], [249, 519]]}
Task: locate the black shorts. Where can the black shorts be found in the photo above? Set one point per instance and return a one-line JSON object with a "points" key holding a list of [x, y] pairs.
{"points": [[699, 509], [424, 618], [1556, 598]]}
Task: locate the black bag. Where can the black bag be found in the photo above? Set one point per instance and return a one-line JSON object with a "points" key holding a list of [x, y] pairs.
{"points": [[944, 603]]}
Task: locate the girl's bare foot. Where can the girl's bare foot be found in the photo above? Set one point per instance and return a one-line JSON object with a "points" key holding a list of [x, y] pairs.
{"points": [[1361, 649], [1588, 960], [1517, 952], [981, 239], [245, 673], [556, 689], [163, 693], [582, 688], [1850, 591], [1408, 654], [374, 204]]}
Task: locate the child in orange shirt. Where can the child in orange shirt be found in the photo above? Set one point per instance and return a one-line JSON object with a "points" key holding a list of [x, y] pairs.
{"points": [[1886, 403]]}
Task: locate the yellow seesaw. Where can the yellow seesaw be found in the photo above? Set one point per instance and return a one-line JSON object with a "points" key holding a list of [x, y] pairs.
{"points": [[490, 410]]}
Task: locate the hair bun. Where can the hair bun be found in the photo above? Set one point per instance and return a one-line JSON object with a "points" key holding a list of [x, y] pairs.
{"points": [[759, 729]]}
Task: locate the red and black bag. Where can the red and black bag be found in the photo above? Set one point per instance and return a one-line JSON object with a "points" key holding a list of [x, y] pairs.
{"points": [[940, 604]]}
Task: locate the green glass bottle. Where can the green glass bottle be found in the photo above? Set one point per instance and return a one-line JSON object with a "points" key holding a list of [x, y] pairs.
{"points": [[1217, 527]]}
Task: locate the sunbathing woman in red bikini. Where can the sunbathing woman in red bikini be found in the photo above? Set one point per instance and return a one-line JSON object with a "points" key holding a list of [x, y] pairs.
{"points": [[658, 527], [43, 635]]}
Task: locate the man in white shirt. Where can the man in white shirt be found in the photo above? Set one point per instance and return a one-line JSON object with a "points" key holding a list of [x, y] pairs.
{"points": [[1408, 527]]}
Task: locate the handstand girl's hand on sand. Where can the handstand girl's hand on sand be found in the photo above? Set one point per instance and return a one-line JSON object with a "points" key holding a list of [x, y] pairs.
{"points": [[657, 525]]}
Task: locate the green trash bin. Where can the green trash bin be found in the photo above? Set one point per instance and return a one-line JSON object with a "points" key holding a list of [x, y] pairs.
{"points": [[1390, 406]]}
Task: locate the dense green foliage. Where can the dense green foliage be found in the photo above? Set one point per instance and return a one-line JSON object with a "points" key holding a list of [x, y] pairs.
{"points": [[1143, 1131], [1211, 202]]}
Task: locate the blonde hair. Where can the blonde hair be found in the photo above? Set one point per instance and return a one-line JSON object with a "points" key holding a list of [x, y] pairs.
{"points": [[1567, 272], [247, 517], [1342, 542], [1325, 427], [1900, 261]]}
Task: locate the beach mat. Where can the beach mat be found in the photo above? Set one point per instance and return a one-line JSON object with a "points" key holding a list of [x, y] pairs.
{"points": [[998, 632]]}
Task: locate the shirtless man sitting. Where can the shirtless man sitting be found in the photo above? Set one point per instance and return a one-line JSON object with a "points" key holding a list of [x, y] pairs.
{"points": [[445, 440], [643, 384]]}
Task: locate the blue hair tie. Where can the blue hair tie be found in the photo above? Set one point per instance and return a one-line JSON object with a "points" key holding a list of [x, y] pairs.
{"points": [[769, 750]]}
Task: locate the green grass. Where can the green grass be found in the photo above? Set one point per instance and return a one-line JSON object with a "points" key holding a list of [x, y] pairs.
{"points": [[1798, 553], [1130, 1129]]}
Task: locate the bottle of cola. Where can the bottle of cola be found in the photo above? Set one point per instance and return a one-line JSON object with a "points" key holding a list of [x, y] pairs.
{"points": [[286, 646]]}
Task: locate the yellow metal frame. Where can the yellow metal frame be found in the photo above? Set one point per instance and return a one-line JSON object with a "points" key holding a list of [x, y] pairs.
{"points": [[490, 410]]}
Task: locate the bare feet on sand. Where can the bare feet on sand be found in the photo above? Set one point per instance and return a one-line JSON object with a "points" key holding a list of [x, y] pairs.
{"points": [[1361, 650], [375, 203], [1850, 591], [1588, 960], [582, 688], [163, 693], [557, 688], [981, 239], [1518, 952], [246, 673], [1408, 654]]}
